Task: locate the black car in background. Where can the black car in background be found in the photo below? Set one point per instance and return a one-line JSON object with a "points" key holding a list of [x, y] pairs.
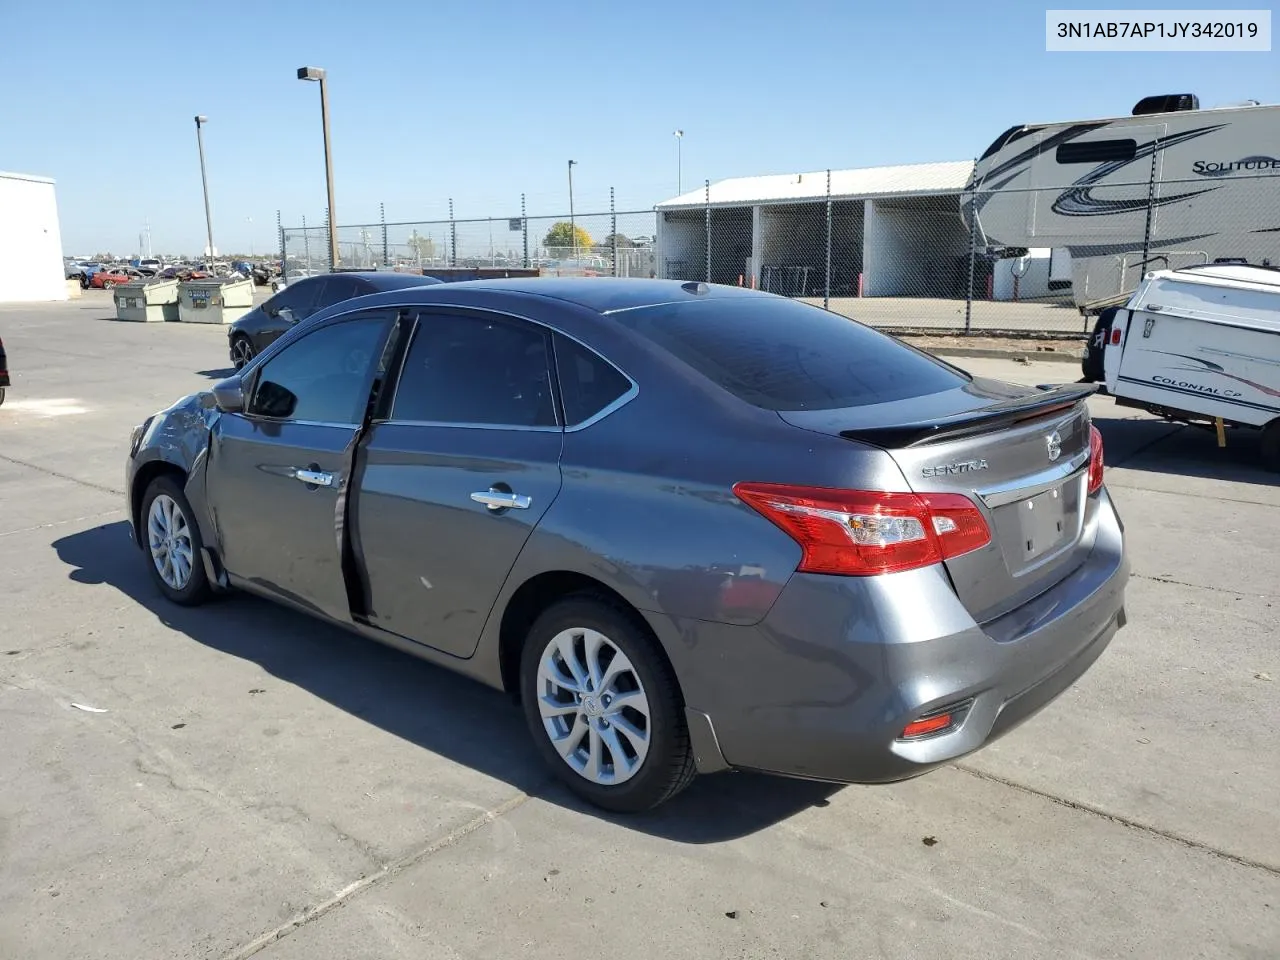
{"points": [[4, 371], [253, 332]]}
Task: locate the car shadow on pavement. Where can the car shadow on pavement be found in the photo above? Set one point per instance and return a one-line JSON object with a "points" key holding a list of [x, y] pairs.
{"points": [[461, 720], [1159, 446], [220, 374]]}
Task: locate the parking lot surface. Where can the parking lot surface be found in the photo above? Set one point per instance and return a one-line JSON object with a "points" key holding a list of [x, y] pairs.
{"points": [[240, 780]]}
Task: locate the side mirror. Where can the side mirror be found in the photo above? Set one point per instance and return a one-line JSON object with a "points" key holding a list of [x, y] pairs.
{"points": [[228, 395], [285, 314]]}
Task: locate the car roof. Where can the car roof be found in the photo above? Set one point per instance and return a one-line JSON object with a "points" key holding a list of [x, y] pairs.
{"points": [[599, 294], [611, 294], [385, 280]]}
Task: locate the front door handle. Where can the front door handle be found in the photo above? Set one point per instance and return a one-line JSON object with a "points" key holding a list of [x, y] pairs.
{"points": [[496, 499], [313, 478]]}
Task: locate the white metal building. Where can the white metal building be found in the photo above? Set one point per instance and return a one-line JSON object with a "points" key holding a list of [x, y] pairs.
{"points": [[895, 232], [30, 241]]}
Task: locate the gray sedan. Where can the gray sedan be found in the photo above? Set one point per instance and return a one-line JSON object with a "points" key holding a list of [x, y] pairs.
{"points": [[690, 528]]}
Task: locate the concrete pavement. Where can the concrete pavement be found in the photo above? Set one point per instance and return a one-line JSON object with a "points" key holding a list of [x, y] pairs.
{"points": [[261, 784]]}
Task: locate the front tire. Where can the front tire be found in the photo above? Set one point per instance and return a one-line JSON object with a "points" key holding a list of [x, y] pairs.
{"points": [[171, 541], [1271, 445], [604, 706]]}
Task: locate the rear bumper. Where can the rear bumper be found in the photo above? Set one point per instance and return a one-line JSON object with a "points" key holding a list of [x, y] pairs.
{"points": [[823, 687]]}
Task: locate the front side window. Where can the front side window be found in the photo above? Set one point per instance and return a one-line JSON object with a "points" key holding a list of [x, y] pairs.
{"points": [[337, 289], [321, 377], [476, 370], [299, 298]]}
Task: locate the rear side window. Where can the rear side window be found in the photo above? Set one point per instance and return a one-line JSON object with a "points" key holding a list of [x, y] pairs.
{"points": [[588, 383], [476, 370], [782, 355], [1097, 151]]}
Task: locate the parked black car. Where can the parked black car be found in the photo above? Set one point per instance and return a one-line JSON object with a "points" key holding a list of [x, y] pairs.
{"points": [[1091, 364], [258, 328], [4, 371]]}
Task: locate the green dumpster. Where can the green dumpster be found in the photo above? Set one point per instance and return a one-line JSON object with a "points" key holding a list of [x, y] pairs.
{"points": [[148, 301], [215, 300]]}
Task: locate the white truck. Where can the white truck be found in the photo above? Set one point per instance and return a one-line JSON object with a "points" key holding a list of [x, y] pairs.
{"points": [[1201, 345]]}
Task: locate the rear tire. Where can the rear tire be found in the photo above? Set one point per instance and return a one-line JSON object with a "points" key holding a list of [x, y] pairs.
{"points": [[613, 730], [1271, 445], [2, 389], [241, 352], [172, 545]]}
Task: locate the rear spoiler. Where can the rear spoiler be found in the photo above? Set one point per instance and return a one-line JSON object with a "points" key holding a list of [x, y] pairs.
{"points": [[1007, 413]]}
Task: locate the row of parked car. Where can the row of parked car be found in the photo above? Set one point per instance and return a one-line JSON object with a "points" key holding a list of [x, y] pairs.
{"points": [[100, 275]]}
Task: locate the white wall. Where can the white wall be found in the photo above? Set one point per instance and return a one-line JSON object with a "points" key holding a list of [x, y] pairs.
{"points": [[30, 242], [1031, 273], [913, 248], [682, 245]]}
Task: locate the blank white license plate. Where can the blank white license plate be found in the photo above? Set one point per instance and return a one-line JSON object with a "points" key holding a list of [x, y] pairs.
{"points": [[1043, 522]]}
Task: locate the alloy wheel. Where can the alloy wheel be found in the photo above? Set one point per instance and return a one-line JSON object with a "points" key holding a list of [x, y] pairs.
{"points": [[593, 706], [169, 539], [241, 352]]}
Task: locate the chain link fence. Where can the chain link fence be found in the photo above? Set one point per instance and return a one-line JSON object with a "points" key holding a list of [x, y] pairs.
{"points": [[613, 244], [1034, 262]]}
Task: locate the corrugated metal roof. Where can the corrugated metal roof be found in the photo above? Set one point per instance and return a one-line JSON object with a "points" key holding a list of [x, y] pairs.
{"points": [[866, 183]]}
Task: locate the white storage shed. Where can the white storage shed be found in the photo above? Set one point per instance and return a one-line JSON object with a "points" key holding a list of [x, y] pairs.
{"points": [[30, 241], [895, 232]]}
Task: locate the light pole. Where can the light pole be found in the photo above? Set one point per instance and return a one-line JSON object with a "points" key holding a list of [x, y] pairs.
{"points": [[572, 227], [249, 220], [317, 73], [573, 230], [204, 182], [679, 162]]}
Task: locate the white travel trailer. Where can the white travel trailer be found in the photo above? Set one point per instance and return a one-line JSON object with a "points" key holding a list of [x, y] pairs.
{"points": [[1201, 344], [1171, 185]]}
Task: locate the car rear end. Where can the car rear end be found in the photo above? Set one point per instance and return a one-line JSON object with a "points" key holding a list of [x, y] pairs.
{"points": [[4, 371], [932, 612]]}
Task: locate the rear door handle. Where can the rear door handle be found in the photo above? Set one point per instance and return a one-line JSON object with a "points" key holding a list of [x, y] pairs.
{"points": [[313, 478], [502, 499]]}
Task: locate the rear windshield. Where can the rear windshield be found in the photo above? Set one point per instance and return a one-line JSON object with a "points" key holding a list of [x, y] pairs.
{"points": [[782, 355]]}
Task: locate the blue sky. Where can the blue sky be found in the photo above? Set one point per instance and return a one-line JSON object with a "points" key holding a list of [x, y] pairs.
{"points": [[480, 102]]}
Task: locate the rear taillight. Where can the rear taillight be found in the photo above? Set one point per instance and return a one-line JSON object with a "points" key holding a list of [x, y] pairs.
{"points": [[862, 532], [1115, 338], [1095, 459]]}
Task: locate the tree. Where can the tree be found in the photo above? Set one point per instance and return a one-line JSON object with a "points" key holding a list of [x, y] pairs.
{"points": [[424, 247], [563, 235]]}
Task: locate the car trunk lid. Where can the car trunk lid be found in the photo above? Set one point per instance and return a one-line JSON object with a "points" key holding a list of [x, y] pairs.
{"points": [[1020, 453]]}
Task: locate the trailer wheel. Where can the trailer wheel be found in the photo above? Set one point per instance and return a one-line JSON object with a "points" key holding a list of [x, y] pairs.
{"points": [[1271, 445]]}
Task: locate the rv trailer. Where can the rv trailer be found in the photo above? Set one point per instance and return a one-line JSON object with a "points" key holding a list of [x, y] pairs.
{"points": [[1169, 186]]}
